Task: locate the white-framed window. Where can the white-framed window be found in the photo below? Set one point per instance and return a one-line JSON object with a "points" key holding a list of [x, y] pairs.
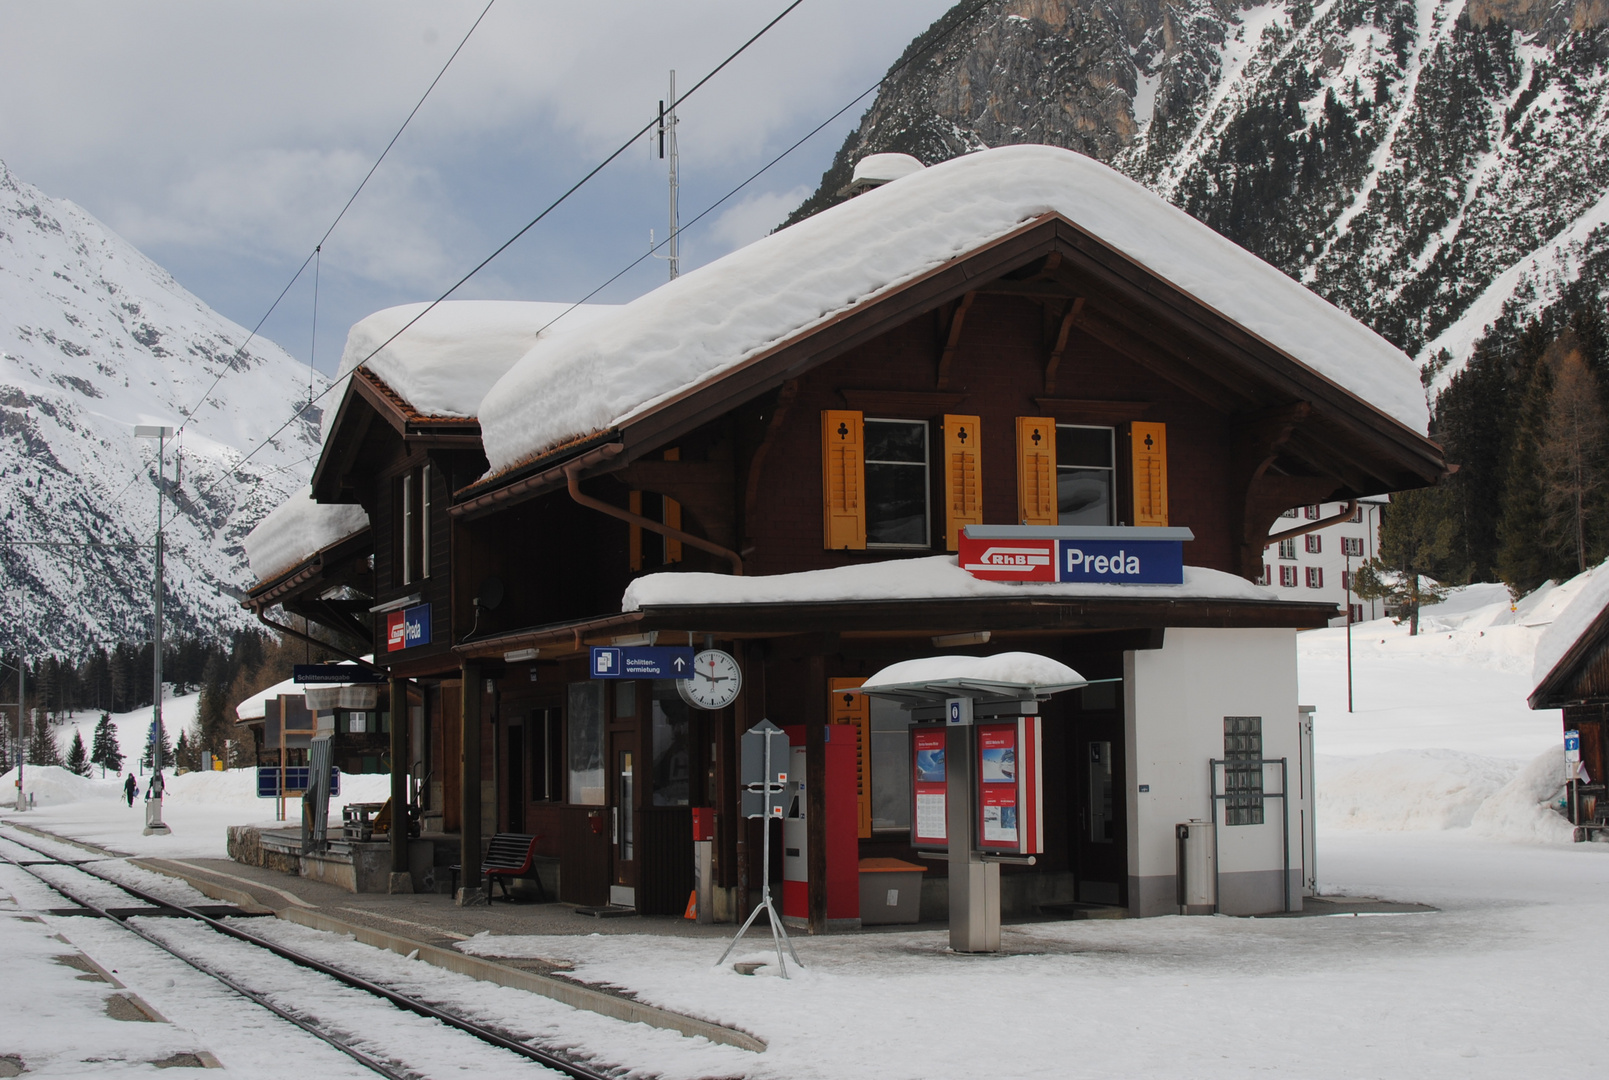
{"points": [[1287, 548], [1315, 577], [1312, 513], [1264, 578], [1085, 475], [1287, 577], [1346, 579], [1357, 612], [1315, 543], [897, 485], [1353, 546], [1289, 513]]}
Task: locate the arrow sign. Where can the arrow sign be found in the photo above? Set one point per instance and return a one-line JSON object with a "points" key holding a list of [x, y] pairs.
{"points": [[646, 662]]}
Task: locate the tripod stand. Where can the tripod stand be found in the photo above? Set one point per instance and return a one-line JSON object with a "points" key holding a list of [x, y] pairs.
{"points": [[767, 787]]}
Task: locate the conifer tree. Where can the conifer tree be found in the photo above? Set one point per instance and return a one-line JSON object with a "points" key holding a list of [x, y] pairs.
{"points": [[104, 750], [150, 746], [1570, 457], [42, 746], [1416, 536], [77, 756]]}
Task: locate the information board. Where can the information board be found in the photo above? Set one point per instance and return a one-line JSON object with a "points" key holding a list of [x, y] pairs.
{"points": [[928, 804], [1010, 815]]}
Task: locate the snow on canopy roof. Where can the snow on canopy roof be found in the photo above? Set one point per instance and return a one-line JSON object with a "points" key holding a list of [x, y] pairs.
{"points": [[256, 706], [1591, 597], [714, 318], [931, 578], [297, 529], [1013, 668], [444, 363]]}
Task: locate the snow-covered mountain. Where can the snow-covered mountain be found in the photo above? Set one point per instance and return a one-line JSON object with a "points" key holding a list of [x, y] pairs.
{"points": [[94, 339], [1422, 163]]}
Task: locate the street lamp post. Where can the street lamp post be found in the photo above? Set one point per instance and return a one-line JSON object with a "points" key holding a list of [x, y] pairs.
{"points": [[153, 805]]}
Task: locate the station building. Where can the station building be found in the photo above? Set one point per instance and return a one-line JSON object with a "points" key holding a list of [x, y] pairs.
{"points": [[773, 457]]}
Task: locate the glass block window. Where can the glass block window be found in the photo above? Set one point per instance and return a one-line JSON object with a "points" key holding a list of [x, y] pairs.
{"points": [[1243, 772]]}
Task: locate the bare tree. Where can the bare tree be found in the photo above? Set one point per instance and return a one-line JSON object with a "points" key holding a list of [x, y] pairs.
{"points": [[1571, 453]]}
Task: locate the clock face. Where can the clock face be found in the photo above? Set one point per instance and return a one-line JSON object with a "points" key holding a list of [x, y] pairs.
{"points": [[715, 682]]}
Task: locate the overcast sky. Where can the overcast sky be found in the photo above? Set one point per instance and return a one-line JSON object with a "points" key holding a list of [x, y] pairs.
{"points": [[221, 138]]}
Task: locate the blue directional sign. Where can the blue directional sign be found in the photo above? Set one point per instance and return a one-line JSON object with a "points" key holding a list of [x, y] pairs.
{"points": [[296, 779], [642, 662], [334, 674], [1132, 562]]}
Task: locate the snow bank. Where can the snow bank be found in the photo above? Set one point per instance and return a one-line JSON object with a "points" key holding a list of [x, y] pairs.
{"points": [[297, 529], [53, 785], [1522, 809], [1591, 595], [1021, 668], [1407, 789], [444, 364], [932, 577], [715, 318]]}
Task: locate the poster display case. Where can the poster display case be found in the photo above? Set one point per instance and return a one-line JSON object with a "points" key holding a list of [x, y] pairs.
{"points": [[1009, 771], [929, 805]]}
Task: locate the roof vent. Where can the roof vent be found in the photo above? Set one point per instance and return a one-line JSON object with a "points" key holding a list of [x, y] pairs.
{"points": [[875, 170]]}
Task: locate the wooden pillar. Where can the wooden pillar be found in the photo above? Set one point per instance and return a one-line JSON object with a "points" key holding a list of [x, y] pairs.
{"points": [[815, 709], [399, 783], [469, 787]]}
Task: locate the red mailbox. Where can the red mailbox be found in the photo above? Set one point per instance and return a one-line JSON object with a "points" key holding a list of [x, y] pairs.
{"points": [[703, 823]]}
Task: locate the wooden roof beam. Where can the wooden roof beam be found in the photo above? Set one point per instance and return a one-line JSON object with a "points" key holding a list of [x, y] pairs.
{"points": [[957, 321]]}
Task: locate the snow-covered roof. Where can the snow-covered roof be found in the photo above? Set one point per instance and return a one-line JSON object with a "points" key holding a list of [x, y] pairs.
{"points": [[256, 706], [712, 319], [1022, 669], [444, 364], [1591, 598], [296, 529], [883, 168], [936, 577]]}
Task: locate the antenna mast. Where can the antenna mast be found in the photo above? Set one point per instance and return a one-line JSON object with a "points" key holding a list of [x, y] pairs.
{"points": [[667, 134]]}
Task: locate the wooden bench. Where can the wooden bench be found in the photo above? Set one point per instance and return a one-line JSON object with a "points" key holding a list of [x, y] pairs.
{"points": [[511, 855]]}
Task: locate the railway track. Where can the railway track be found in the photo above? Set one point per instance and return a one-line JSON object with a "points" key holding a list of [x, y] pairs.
{"points": [[325, 1030]]}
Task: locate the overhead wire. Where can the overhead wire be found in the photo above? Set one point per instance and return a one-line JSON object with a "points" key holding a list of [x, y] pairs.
{"points": [[505, 245], [227, 365]]}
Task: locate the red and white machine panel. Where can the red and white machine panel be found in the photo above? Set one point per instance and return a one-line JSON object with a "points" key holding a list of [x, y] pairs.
{"points": [[1009, 778]]}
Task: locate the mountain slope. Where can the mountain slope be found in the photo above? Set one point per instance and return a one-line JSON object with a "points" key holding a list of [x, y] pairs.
{"points": [[95, 338], [1398, 156]]}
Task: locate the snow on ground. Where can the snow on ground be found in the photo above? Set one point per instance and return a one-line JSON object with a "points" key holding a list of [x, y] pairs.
{"points": [[1468, 991], [198, 806]]}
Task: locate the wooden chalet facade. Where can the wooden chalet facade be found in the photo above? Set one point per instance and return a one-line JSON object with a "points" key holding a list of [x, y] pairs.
{"points": [[1042, 376], [1577, 682]]}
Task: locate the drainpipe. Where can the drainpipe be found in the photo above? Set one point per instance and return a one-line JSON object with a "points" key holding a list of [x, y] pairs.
{"points": [[283, 629], [573, 481], [1348, 508]]}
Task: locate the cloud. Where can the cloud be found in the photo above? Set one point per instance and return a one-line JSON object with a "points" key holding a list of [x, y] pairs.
{"points": [[222, 138], [753, 217]]}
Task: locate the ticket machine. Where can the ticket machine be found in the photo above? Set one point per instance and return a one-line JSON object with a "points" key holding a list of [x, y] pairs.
{"points": [[843, 837]]}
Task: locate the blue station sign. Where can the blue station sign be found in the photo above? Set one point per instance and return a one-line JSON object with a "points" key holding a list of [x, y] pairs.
{"points": [[1112, 555], [407, 628], [642, 662]]}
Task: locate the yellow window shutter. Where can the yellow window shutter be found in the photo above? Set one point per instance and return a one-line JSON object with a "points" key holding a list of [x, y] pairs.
{"points": [[1036, 470], [963, 477], [1148, 444], [673, 515], [634, 504], [855, 711], [843, 479]]}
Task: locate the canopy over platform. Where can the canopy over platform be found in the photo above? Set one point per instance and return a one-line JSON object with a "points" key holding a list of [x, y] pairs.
{"points": [[1010, 676]]}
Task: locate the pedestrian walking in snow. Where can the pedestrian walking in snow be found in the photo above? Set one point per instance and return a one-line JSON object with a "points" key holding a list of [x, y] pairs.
{"points": [[130, 789]]}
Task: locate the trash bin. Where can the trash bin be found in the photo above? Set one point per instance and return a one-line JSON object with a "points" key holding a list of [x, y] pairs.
{"points": [[890, 891]]}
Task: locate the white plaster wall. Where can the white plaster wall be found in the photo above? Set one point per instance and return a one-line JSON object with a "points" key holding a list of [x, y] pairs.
{"points": [[1177, 698]]}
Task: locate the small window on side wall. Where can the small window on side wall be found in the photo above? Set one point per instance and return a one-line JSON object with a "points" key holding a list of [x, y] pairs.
{"points": [[897, 484]]}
